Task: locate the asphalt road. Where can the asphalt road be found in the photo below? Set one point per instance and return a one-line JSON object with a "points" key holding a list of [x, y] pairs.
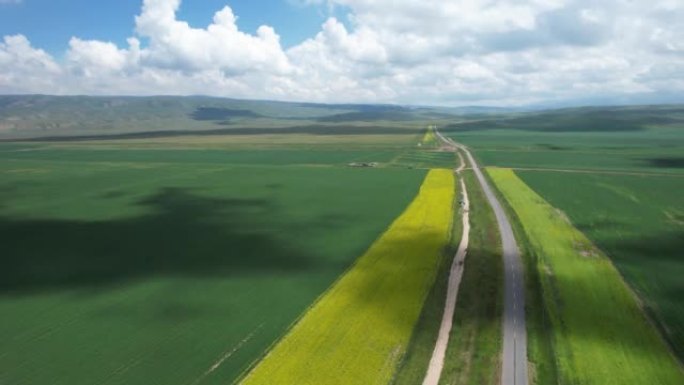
{"points": [[514, 368]]}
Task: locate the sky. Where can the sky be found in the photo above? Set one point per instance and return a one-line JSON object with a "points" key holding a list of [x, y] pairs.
{"points": [[421, 52]]}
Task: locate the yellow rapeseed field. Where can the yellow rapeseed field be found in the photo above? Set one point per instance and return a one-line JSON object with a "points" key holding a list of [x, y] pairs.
{"points": [[357, 332], [429, 138]]}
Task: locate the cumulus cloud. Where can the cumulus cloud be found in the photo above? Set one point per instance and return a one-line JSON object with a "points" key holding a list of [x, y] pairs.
{"points": [[174, 44], [24, 68], [404, 51]]}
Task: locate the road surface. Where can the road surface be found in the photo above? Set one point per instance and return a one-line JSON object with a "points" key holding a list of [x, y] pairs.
{"points": [[514, 368], [456, 273]]}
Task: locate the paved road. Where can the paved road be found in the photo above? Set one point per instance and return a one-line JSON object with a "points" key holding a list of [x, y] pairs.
{"points": [[514, 370], [456, 273]]}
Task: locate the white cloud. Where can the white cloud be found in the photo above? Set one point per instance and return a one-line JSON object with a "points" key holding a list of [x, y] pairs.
{"points": [[405, 51], [174, 44], [24, 68]]}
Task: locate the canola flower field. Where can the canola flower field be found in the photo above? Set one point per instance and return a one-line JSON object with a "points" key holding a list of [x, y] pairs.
{"points": [[358, 331]]}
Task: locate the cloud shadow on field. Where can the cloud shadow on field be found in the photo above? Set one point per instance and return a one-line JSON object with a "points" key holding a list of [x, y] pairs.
{"points": [[221, 114], [578, 120], [662, 249], [183, 235], [669, 162], [646, 255]]}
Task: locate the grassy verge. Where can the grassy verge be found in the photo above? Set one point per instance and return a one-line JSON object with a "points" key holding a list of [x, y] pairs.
{"points": [[473, 355], [357, 332], [599, 333]]}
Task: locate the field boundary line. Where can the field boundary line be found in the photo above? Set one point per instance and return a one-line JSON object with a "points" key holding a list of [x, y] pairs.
{"points": [[589, 171]]}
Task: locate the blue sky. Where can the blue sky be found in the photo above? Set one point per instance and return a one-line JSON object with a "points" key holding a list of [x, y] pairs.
{"points": [[50, 24], [455, 52]]}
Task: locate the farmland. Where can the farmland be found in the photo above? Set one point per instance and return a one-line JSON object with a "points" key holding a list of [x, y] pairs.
{"points": [[475, 340], [617, 175], [600, 335], [359, 330], [205, 240], [637, 221], [162, 261], [645, 140]]}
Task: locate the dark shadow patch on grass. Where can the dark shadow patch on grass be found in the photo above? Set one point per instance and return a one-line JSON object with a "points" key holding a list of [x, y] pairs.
{"points": [[303, 129], [669, 162], [634, 252], [221, 114], [390, 115], [599, 119], [111, 194], [554, 147], [664, 248], [182, 235], [602, 225]]}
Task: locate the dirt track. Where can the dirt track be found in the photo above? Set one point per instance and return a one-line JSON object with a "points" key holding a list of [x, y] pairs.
{"points": [[456, 273]]}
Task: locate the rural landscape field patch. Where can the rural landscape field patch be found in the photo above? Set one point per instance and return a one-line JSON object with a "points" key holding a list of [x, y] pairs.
{"points": [[638, 221], [172, 269], [359, 330], [600, 333]]}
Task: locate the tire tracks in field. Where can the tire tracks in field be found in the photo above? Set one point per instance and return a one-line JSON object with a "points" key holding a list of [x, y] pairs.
{"points": [[456, 273], [226, 355]]}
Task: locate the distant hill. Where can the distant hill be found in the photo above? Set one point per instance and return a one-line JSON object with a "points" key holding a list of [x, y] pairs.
{"points": [[40, 116], [582, 119], [36, 116]]}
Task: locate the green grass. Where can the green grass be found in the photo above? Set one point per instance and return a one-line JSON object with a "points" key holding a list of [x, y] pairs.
{"points": [[198, 156], [638, 221], [650, 150], [648, 161], [473, 356], [396, 151], [618, 199], [600, 334], [358, 331], [474, 344], [133, 270]]}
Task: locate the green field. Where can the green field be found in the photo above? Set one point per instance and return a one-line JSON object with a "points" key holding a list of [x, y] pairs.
{"points": [[600, 334], [359, 330], [648, 139], [173, 267], [617, 173], [638, 221], [179, 240]]}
